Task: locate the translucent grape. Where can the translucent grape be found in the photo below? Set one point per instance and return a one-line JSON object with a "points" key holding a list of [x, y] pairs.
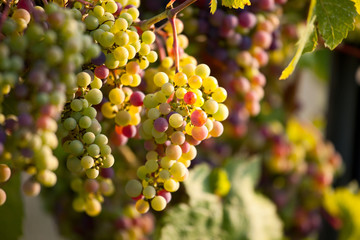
{"points": [[133, 188], [158, 203]]}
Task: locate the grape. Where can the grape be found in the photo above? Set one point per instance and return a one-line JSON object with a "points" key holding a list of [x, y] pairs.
{"points": [[247, 19], [171, 185], [31, 188], [83, 79], [76, 147], [91, 185], [137, 98], [176, 120], [92, 173], [161, 124], [177, 138], [219, 94], [2, 197], [5, 173], [101, 72], [199, 133], [133, 188], [222, 113], [160, 79], [70, 124], [165, 195], [123, 118], [158, 203], [211, 106], [94, 96], [190, 98], [173, 152], [87, 162], [92, 207], [149, 192], [85, 122], [217, 129], [198, 118], [142, 206]]}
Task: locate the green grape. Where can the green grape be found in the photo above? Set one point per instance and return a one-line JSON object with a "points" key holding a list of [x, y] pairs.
{"points": [[178, 170], [88, 138], [134, 12], [153, 113], [151, 155], [78, 204], [151, 165], [106, 39], [121, 24], [167, 89], [148, 37], [158, 203], [133, 37], [87, 162], [222, 113], [90, 112], [46, 178], [116, 96], [92, 173], [142, 172], [110, 6], [144, 49], [149, 192], [202, 70], [219, 95], [96, 83], [101, 139], [133, 188], [121, 38], [70, 124], [85, 122], [74, 165], [152, 57], [191, 154], [76, 147], [131, 51], [123, 118], [83, 79], [108, 161], [99, 11], [76, 105], [91, 22], [94, 96], [93, 150], [105, 150], [171, 185], [127, 17], [92, 207], [111, 62], [121, 53], [160, 79], [176, 120], [210, 106], [164, 174]]}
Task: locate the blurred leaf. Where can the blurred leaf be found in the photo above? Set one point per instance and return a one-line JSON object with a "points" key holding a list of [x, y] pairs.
{"points": [[244, 214], [236, 3], [318, 62], [309, 29], [312, 42], [12, 211], [213, 6], [335, 19], [357, 5]]}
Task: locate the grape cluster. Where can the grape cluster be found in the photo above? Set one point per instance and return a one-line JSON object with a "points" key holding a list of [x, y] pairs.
{"points": [[299, 167], [238, 45], [187, 109], [88, 149], [41, 50]]}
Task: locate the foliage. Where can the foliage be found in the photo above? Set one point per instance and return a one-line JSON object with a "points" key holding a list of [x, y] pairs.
{"points": [[242, 214]]}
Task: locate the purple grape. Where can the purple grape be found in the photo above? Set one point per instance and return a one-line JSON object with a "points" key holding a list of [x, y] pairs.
{"points": [[21, 91], [230, 22], [245, 43], [27, 152], [129, 6], [217, 18], [220, 54], [203, 26], [247, 20], [234, 40], [266, 5], [99, 60], [107, 172], [25, 119], [161, 124]]}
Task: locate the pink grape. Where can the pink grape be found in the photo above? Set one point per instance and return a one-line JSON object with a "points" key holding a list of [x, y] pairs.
{"points": [[161, 124], [101, 72], [199, 133], [198, 118], [190, 98], [129, 131], [137, 98]]}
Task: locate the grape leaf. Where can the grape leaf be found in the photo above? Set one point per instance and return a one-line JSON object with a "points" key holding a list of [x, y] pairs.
{"points": [[309, 29], [235, 3], [335, 19], [312, 42], [357, 5], [213, 6]]}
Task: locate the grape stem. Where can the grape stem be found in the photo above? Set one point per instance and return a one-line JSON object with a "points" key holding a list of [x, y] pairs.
{"points": [[168, 13], [175, 43]]}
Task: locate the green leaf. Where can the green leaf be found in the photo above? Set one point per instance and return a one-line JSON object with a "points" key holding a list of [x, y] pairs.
{"points": [[309, 29], [235, 3], [213, 6], [12, 211], [335, 19]]}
